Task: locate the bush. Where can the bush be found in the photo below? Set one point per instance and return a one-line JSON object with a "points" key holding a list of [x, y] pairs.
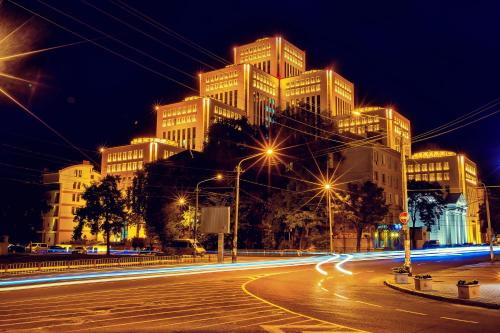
{"points": [[138, 242], [400, 270], [423, 277], [467, 283]]}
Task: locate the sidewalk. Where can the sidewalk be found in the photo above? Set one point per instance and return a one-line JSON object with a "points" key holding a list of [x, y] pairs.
{"points": [[444, 284]]}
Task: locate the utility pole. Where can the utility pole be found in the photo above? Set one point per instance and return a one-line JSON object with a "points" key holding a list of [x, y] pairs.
{"points": [[406, 228], [330, 219], [234, 253], [488, 219]]}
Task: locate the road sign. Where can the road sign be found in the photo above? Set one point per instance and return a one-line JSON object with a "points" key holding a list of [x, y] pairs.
{"points": [[404, 217], [215, 220]]}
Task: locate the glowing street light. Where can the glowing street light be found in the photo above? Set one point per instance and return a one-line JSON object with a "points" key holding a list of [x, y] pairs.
{"points": [[219, 176], [181, 201], [269, 151]]}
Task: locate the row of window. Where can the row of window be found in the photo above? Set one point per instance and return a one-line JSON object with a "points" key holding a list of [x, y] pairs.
{"points": [[254, 49], [227, 97], [78, 173], [293, 52], [122, 167], [310, 103], [342, 107], [361, 129], [221, 77], [263, 65], [226, 113], [389, 180], [252, 57], [185, 109], [343, 93], [303, 82], [430, 177], [77, 185], [470, 178], [470, 169], [424, 167], [221, 85], [303, 90], [264, 87], [382, 159], [126, 155], [185, 138], [343, 85], [263, 108], [178, 121], [75, 197], [353, 121], [291, 70]]}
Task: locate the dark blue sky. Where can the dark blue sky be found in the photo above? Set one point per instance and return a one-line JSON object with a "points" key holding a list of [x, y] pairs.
{"points": [[433, 60]]}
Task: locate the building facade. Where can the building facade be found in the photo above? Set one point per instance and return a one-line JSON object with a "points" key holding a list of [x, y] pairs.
{"points": [[387, 125], [124, 161], [382, 166], [64, 194], [453, 171], [185, 124]]}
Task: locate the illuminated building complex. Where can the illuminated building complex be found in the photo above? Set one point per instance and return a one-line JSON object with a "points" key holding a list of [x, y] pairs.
{"points": [[267, 75], [456, 172], [385, 123], [64, 194]]}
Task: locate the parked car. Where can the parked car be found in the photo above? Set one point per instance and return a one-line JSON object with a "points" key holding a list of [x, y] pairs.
{"points": [[185, 247], [57, 249], [16, 248], [431, 244], [37, 247], [78, 250]]}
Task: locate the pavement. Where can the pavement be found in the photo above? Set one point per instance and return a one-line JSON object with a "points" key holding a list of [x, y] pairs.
{"points": [[351, 298], [444, 284]]}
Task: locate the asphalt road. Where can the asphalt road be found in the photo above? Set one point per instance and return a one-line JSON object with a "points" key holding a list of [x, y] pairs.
{"points": [[289, 299]]}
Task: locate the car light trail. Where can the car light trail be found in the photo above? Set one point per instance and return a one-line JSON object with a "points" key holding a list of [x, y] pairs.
{"points": [[338, 266], [319, 264]]}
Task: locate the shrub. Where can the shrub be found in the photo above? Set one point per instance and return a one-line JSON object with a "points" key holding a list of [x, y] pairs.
{"points": [[423, 277], [467, 283], [400, 270]]}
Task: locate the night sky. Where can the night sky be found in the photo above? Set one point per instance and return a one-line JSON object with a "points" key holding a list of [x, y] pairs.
{"points": [[434, 61]]}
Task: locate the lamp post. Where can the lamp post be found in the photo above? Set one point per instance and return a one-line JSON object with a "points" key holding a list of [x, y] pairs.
{"points": [[234, 253], [328, 188], [406, 229], [488, 219], [197, 191]]}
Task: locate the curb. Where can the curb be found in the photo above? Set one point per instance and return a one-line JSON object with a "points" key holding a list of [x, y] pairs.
{"points": [[443, 298]]}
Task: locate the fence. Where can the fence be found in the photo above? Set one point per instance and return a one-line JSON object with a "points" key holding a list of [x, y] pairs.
{"points": [[92, 264]]}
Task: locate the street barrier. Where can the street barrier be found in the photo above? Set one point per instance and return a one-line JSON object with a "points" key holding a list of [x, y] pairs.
{"points": [[83, 264]]}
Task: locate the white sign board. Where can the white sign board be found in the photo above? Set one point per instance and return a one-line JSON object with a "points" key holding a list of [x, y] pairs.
{"points": [[215, 220]]}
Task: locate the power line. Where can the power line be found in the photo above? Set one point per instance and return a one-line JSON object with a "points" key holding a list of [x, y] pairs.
{"points": [[131, 10], [103, 47]]}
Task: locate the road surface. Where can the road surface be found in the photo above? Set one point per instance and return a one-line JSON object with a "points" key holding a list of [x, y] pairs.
{"points": [[288, 299]]}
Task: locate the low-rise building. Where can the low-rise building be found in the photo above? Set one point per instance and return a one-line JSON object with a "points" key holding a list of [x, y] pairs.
{"points": [[454, 172], [64, 194]]}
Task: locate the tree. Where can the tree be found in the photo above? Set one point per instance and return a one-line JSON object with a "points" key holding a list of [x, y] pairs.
{"points": [[364, 206], [104, 209], [136, 201], [426, 203]]}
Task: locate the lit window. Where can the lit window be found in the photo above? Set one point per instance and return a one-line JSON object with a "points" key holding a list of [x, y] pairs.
{"points": [[418, 177], [417, 167], [446, 166], [439, 166], [410, 168], [446, 176], [432, 177], [424, 167], [439, 176], [431, 166]]}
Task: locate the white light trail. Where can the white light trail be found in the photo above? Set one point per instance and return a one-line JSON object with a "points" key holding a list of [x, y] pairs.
{"points": [[338, 266], [318, 265]]}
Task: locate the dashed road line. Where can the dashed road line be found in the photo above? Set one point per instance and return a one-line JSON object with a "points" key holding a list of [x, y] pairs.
{"points": [[461, 320], [371, 304], [341, 296], [413, 312]]}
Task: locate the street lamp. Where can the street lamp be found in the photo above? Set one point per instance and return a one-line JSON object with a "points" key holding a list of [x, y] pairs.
{"points": [[197, 191], [181, 201], [328, 189], [406, 229], [488, 219], [267, 152]]}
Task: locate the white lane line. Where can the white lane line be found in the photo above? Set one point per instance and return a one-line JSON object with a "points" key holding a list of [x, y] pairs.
{"points": [[413, 312], [324, 289], [371, 304], [343, 297], [461, 320]]}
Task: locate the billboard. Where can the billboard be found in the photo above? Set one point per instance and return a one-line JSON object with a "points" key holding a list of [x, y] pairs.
{"points": [[215, 220]]}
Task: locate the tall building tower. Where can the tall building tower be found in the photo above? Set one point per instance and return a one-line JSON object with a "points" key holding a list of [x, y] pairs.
{"points": [[273, 55], [456, 172], [245, 87]]}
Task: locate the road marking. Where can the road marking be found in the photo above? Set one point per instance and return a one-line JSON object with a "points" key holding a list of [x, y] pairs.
{"points": [[246, 291], [324, 289], [379, 306], [343, 297], [408, 311], [461, 320]]}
